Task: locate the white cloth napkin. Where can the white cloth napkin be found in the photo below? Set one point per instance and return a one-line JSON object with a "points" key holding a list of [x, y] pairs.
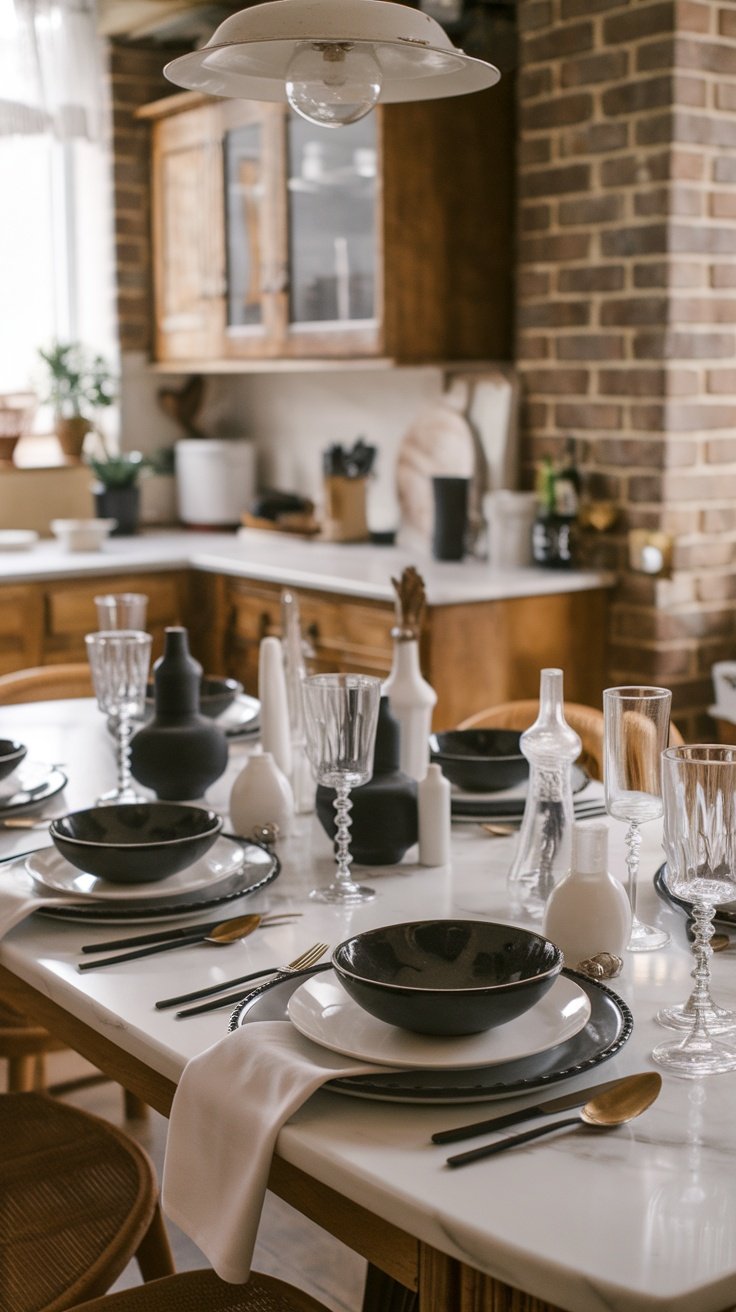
{"points": [[227, 1112]]}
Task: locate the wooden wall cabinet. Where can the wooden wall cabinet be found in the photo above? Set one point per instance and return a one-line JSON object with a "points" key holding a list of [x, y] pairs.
{"points": [[276, 239]]}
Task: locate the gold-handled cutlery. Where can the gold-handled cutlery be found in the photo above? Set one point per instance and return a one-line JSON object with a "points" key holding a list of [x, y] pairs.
{"points": [[627, 1099], [304, 964], [227, 931]]}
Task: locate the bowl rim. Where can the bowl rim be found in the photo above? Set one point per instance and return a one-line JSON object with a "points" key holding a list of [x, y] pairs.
{"points": [[18, 749], [553, 970], [438, 754], [216, 825]]}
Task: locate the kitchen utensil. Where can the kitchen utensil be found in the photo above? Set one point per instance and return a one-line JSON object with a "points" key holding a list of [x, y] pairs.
{"points": [[171, 935], [296, 967], [228, 931], [210, 990], [323, 1012], [447, 977], [628, 1099], [551, 1105], [609, 1028]]}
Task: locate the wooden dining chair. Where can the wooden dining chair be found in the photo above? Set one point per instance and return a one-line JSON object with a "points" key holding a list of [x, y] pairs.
{"points": [[587, 721], [80, 1200], [23, 1044], [202, 1291]]}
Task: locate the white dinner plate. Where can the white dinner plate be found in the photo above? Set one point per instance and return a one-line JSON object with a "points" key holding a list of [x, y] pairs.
{"points": [[241, 717], [18, 539], [32, 783], [322, 1011], [50, 869]]}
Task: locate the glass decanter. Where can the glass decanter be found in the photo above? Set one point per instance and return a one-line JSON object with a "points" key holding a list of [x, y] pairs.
{"points": [[544, 847]]}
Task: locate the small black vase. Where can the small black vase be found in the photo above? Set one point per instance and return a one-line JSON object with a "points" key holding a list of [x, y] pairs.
{"points": [[384, 810], [180, 752], [120, 503]]}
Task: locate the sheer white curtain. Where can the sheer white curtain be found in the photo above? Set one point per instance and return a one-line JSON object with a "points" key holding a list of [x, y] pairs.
{"points": [[56, 248]]}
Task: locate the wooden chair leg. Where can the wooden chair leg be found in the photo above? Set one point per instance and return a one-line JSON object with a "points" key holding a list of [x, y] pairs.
{"points": [[40, 1073], [384, 1294], [154, 1255], [22, 1074], [135, 1108]]}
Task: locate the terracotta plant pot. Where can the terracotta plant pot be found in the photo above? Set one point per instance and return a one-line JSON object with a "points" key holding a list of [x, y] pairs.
{"points": [[71, 434]]}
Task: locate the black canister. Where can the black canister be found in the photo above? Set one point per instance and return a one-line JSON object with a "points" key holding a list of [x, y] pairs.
{"points": [[450, 517], [180, 752], [384, 811]]}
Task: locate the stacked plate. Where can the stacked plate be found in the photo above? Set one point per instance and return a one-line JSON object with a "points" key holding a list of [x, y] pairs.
{"points": [[231, 869], [507, 806], [31, 784], [577, 1025]]}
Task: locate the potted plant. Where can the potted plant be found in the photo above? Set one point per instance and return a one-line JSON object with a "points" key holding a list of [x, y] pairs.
{"points": [[79, 383], [116, 491]]}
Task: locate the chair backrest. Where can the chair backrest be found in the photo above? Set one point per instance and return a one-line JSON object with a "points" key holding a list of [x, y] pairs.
{"points": [[587, 721], [44, 683]]}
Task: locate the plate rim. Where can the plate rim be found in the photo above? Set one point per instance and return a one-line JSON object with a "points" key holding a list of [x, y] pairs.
{"points": [[40, 796], [53, 854], [417, 1065]]}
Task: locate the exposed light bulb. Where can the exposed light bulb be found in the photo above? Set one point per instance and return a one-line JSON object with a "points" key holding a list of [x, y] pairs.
{"points": [[332, 83]]}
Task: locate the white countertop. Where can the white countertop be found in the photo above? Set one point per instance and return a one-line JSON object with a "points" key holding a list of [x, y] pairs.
{"points": [[640, 1218], [361, 570]]}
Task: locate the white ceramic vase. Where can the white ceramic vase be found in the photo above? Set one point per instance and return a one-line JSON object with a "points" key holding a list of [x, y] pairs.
{"points": [[412, 701], [272, 694], [261, 795]]}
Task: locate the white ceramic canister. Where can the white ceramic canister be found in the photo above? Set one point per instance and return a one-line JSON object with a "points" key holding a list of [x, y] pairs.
{"points": [[261, 795], [510, 517], [215, 480]]}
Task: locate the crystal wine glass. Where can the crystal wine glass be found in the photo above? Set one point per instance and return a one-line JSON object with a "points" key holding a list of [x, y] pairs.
{"points": [[636, 730], [119, 661], [699, 784], [340, 717], [121, 610]]}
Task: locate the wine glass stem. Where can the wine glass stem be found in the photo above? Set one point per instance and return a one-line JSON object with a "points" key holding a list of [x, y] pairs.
{"points": [[633, 844], [700, 999], [343, 806], [124, 737]]}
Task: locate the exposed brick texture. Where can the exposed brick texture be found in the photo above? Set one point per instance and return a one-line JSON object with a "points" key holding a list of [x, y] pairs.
{"points": [[627, 123]]}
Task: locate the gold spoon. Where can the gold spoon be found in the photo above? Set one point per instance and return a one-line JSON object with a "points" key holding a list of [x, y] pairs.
{"points": [[228, 931], [628, 1098]]}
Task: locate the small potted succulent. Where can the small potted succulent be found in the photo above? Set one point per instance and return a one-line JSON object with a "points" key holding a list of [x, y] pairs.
{"points": [[116, 491], [79, 384]]}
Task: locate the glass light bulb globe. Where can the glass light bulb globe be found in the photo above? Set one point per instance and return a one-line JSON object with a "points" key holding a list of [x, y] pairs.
{"points": [[333, 83]]}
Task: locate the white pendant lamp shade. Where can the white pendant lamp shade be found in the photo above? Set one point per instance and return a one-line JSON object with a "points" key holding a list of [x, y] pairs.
{"points": [[343, 54]]}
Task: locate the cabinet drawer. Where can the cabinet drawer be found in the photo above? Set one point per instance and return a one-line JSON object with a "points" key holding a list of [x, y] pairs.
{"points": [[70, 608]]}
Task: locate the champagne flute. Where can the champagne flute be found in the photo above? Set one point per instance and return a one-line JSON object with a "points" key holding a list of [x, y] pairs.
{"points": [[636, 730], [340, 717], [119, 660], [699, 784]]}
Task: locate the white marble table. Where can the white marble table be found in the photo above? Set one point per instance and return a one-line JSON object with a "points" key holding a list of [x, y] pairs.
{"points": [[641, 1218]]}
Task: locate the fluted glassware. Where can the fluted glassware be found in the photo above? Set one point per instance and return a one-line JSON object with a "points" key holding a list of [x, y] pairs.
{"points": [[119, 661], [636, 731], [699, 786], [121, 610], [340, 717]]}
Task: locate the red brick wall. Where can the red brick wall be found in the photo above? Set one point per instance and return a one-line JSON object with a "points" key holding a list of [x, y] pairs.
{"points": [[626, 331]]}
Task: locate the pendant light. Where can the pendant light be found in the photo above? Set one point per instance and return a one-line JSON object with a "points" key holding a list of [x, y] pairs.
{"points": [[333, 60]]}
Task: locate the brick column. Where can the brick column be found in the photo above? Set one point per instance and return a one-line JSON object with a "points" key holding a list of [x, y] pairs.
{"points": [[626, 327]]}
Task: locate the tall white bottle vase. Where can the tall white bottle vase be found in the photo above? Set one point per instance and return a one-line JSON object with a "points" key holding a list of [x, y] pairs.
{"points": [[412, 701], [261, 795], [275, 726]]}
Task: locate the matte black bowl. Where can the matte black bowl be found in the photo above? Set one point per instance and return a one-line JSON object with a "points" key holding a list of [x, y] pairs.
{"points": [[480, 760], [11, 755], [137, 842], [215, 695], [447, 976]]}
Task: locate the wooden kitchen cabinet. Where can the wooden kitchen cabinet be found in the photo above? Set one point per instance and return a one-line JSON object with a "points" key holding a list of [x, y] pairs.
{"points": [[276, 239]]}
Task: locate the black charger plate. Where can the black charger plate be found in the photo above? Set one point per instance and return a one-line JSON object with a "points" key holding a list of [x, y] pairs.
{"points": [[489, 806], [609, 1027], [725, 915]]}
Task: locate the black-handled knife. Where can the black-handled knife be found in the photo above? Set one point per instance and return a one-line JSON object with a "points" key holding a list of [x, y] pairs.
{"points": [[562, 1104]]}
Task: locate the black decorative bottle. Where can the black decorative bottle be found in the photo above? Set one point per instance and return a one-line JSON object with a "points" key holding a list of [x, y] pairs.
{"points": [[384, 811], [180, 752]]}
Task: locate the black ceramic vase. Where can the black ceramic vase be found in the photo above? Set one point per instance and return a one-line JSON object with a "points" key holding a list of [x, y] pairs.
{"points": [[180, 752], [384, 811], [450, 517], [120, 503]]}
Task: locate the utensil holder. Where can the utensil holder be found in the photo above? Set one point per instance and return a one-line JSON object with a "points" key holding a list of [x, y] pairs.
{"points": [[345, 516]]}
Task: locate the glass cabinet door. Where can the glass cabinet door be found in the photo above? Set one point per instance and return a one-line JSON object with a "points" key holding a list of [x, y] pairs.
{"points": [[244, 202], [332, 225]]}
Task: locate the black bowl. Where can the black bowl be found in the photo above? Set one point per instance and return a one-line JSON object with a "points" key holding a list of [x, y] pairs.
{"points": [[11, 755], [215, 695], [137, 842], [447, 976], [480, 760]]}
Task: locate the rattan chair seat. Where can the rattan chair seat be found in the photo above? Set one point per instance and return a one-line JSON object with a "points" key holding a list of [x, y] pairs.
{"points": [[202, 1291], [78, 1200]]}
